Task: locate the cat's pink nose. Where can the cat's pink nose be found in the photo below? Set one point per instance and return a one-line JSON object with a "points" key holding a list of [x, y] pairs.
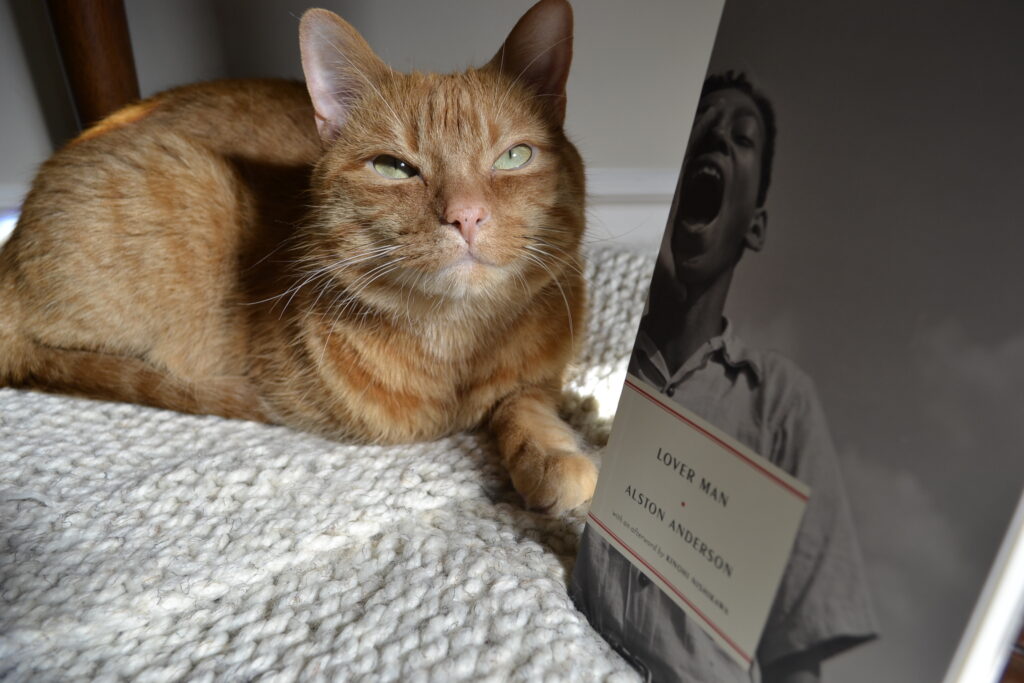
{"points": [[467, 218]]}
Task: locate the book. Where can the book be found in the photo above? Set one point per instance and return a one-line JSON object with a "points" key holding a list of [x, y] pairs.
{"points": [[815, 456]]}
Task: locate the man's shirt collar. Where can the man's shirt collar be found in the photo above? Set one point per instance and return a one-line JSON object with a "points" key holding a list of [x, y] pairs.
{"points": [[736, 354], [732, 351]]}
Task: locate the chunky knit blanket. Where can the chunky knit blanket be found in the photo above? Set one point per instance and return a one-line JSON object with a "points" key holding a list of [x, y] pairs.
{"points": [[148, 545]]}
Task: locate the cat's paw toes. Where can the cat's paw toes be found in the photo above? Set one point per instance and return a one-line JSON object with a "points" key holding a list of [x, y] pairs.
{"points": [[555, 482]]}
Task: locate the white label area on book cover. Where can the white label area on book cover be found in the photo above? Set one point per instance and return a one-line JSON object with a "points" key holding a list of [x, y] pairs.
{"points": [[708, 520]]}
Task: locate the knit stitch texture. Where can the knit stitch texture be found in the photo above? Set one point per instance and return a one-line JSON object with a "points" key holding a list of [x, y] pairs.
{"points": [[149, 545]]}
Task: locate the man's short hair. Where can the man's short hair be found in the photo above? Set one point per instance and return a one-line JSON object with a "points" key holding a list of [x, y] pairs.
{"points": [[736, 80]]}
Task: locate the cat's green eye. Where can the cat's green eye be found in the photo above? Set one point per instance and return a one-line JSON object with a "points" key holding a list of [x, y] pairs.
{"points": [[393, 167], [514, 157]]}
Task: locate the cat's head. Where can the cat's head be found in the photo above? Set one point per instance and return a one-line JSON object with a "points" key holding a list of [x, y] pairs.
{"points": [[459, 186]]}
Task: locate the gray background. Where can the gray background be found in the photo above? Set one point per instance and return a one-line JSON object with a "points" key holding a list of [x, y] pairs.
{"points": [[892, 274], [633, 63]]}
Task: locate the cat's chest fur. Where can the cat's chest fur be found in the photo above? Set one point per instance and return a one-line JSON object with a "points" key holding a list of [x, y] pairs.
{"points": [[394, 381]]}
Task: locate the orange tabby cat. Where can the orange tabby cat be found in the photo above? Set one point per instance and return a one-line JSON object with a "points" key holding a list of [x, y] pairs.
{"points": [[390, 257]]}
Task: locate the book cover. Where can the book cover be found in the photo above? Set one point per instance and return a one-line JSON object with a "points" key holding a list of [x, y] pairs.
{"points": [[832, 313]]}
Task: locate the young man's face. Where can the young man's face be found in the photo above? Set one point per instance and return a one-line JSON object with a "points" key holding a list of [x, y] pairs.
{"points": [[715, 215]]}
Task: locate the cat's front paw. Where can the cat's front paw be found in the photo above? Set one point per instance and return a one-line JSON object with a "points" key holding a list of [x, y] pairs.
{"points": [[554, 482]]}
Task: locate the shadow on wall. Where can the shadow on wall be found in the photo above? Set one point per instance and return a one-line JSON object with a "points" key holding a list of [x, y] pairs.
{"points": [[32, 23], [259, 38]]}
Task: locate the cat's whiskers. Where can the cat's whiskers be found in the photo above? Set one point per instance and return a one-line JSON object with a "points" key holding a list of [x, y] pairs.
{"points": [[537, 249], [339, 267], [531, 256], [554, 229], [352, 291], [277, 297], [325, 272], [518, 277], [351, 300], [592, 220], [408, 300], [286, 242]]}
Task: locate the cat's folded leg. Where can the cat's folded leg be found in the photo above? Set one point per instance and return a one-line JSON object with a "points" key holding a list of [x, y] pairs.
{"points": [[541, 453], [113, 377]]}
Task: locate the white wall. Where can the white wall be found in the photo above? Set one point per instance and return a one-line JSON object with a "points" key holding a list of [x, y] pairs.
{"points": [[632, 90]]}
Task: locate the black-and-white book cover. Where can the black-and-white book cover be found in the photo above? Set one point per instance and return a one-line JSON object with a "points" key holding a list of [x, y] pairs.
{"points": [[817, 449]]}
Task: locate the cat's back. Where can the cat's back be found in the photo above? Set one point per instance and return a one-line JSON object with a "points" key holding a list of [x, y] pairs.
{"points": [[261, 119], [178, 164], [194, 142], [189, 142], [153, 210]]}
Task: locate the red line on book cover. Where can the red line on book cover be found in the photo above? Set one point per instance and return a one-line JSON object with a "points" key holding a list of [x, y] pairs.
{"points": [[675, 590], [656, 401]]}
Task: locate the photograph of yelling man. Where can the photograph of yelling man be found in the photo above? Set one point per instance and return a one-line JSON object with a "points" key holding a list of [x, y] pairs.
{"points": [[687, 350]]}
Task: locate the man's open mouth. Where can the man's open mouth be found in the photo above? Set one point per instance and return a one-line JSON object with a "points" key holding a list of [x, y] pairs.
{"points": [[700, 198]]}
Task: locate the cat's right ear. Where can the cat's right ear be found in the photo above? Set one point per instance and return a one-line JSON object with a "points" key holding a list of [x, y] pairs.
{"points": [[338, 64], [538, 53]]}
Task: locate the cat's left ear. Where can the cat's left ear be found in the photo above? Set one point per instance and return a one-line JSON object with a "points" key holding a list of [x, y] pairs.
{"points": [[338, 65], [538, 52]]}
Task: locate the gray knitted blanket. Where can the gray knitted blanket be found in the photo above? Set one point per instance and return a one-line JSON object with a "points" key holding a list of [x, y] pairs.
{"points": [[148, 545]]}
